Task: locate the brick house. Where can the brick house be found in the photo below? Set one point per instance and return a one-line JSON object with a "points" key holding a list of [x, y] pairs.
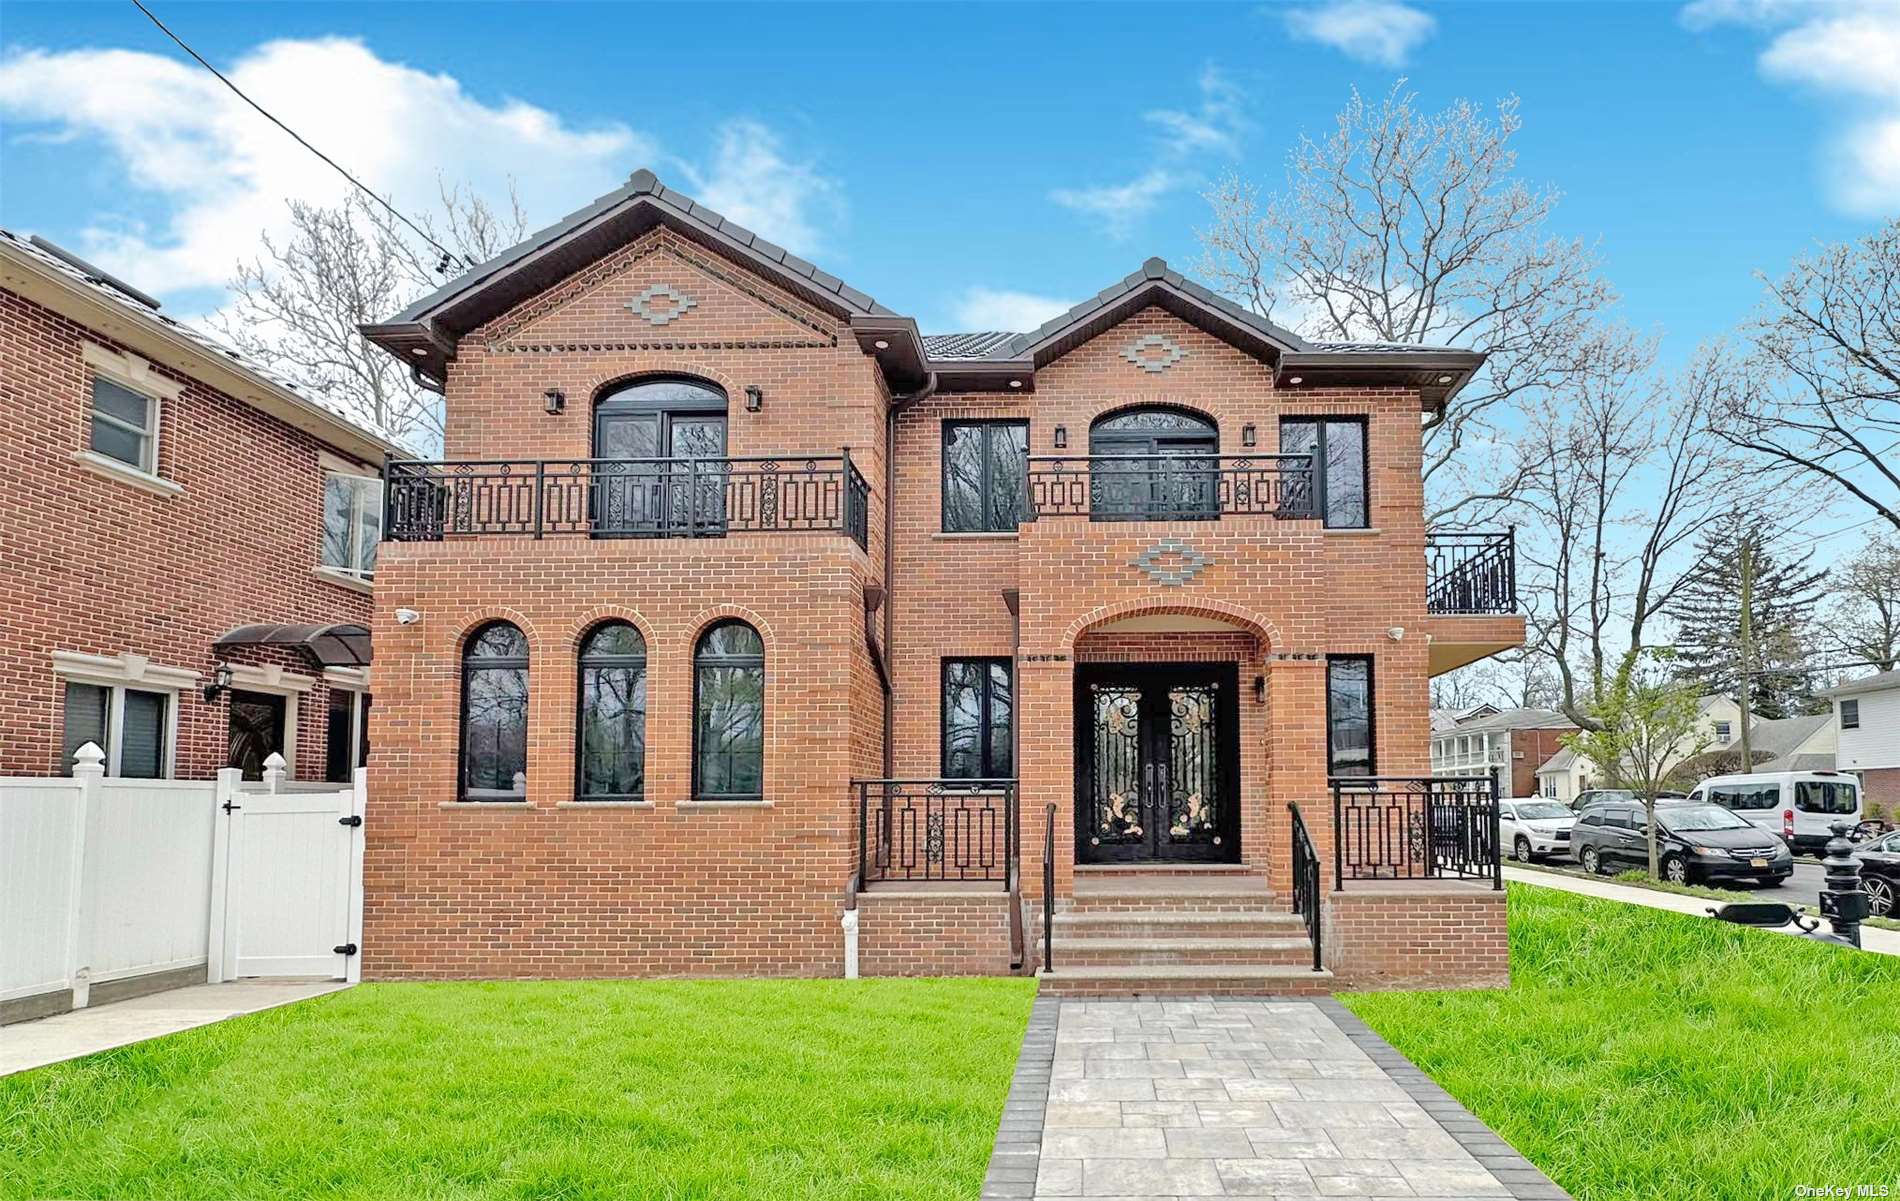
{"points": [[740, 611], [1507, 745], [172, 519]]}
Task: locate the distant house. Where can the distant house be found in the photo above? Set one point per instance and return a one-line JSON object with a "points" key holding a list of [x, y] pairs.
{"points": [[1866, 725], [1506, 745], [1775, 744]]}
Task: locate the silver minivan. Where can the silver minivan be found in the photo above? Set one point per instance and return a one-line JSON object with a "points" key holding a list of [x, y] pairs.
{"points": [[1798, 805]]}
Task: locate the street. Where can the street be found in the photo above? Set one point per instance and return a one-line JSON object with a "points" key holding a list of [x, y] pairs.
{"points": [[1802, 888]]}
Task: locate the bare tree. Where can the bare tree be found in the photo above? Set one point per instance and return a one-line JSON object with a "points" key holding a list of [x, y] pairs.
{"points": [[1861, 620], [1410, 227], [297, 306], [1820, 393], [1520, 679]]}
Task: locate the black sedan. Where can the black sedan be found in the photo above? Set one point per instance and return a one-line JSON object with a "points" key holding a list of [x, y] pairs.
{"points": [[1880, 873], [1694, 843]]}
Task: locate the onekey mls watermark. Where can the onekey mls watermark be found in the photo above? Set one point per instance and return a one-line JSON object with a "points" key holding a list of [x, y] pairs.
{"points": [[1844, 1190]]}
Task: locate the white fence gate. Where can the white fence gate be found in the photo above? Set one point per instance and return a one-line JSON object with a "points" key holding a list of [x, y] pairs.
{"points": [[104, 881]]}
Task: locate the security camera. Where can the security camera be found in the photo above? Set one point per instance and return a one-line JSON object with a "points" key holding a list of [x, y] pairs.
{"points": [[407, 617]]}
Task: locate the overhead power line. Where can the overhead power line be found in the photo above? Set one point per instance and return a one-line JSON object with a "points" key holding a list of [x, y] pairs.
{"points": [[449, 257]]}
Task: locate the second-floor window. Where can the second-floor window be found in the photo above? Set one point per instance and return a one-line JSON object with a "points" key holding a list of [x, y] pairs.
{"points": [[1349, 747], [1338, 447], [352, 523], [985, 474], [1723, 732], [1850, 714], [124, 425], [977, 711]]}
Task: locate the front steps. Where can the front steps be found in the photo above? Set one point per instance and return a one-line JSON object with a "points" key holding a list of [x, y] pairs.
{"points": [[1162, 931]]}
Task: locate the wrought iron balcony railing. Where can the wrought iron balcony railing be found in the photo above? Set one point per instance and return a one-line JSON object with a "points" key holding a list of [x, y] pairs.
{"points": [[1415, 828], [1471, 573], [1187, 487], [919, 830], [625, 498]]}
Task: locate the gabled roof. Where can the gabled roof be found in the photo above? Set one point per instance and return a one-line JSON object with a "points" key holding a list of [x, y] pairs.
{"points": [[1783, 736], [1513, 719], [1559, 762], [114, 309], [1878, 682]]}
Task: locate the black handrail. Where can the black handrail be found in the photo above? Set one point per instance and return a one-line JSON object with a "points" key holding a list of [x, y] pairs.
{"points": [[1306, 882], [1049, 893], [1471, 572], [1416, 828], [1184, 487], [950, 830]]}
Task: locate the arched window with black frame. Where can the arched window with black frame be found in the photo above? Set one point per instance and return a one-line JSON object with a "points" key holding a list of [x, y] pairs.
{"points": [[729, 713], [611, 758], [1154, 464], [660, 466], [495, 714]]}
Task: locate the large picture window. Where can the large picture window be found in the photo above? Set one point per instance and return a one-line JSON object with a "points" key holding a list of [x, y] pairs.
{"points": [[978, 714], [495, 714], [1338, 447], [985, 475], [613, 718], [1349, 734], [352, 523], [729, 713]]}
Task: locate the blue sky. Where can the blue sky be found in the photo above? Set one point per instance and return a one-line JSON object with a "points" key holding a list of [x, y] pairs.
{"points": [[923, 152]]}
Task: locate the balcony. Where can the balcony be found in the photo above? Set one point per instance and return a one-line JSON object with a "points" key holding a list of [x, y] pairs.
{"points": [[625, 498], [1170, 487], [1471, 597]]}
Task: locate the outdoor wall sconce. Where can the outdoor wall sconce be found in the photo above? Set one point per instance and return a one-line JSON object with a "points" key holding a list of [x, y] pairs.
{"points": [[1260, 690], [555, 399], [220, 684], [1062, 437], [1248, 435], [754, 398]]}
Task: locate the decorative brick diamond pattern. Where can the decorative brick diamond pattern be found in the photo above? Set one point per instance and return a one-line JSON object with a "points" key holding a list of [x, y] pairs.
{"points": [[1153, 353], [660, 304], [1171, 561]]}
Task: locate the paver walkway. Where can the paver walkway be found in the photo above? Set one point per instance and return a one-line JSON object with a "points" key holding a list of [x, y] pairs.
{"points": [[1236, 1098], [102, 1027]]}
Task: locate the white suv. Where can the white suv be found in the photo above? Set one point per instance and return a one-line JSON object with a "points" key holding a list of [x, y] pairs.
{"points": [[1535, 828]]}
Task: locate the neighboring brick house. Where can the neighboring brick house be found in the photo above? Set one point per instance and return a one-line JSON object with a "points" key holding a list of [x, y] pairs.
{"points": [[1866, 721], [1507, 746], [740, 610], [172, 518]]}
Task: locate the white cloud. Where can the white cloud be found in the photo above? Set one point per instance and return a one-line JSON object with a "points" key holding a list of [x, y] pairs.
{"points": [[1117, 207], [982, 308], [1215, 126], [1381, 32], [221, 174], [1849, 54]]}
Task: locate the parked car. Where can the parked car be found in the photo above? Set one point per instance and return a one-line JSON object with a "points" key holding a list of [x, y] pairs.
{"points": [[1800, 806], [1880, 873], [1695, 843], [1535, 828]]}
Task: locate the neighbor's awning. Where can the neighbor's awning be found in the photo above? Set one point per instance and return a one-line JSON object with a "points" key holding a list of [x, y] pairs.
{"points": [[342, 645]]}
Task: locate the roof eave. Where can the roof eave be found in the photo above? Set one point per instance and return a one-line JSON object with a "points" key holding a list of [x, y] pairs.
{"points": [[1436, 374]]}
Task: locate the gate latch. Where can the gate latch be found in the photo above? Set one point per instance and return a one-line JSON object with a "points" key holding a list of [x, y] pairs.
{"points": [[228, 807], [348, 948], [353, 820]]}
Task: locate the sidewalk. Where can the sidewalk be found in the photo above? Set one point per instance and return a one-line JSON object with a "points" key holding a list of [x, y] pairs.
{"points": [[1883, 942], [102, 1027]]}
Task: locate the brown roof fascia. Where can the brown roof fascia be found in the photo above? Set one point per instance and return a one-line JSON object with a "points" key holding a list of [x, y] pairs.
{"points": [[1437, 374]]}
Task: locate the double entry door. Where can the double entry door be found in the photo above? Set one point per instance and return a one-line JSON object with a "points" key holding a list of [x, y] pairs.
{"points": [[659, 473], [1157, 763]]}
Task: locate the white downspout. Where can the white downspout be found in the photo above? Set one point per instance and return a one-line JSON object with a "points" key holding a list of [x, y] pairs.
{"points": [[850, 923]]}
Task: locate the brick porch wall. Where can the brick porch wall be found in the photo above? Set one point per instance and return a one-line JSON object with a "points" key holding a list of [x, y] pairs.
{"points": [[933, 934], [1392, 937]]}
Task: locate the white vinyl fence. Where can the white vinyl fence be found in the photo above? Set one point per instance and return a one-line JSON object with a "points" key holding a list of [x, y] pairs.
{"points": [[104, 880]]}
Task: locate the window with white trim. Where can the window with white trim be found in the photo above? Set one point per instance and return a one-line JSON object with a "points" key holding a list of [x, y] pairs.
{"points": [[352, 523], [1850, 713], [133, 726], [124, 425]]}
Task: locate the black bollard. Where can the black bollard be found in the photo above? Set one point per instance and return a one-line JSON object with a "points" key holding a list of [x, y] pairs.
{"points": [[1843, 902]]}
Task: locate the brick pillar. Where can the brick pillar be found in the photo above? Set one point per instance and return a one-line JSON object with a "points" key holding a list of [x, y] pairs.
{"points": [[1296, 772], [1045, 691]]}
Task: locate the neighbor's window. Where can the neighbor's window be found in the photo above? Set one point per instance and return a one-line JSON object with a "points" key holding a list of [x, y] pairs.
{"points": [[729, 713], [352, 523], [132, 726], [985, 475], [1850, 714], [495, 714], [1349, 750], [124, 425], [977, 719], [1338, 447], [613, 718], [345, 735], [1723, 731]]}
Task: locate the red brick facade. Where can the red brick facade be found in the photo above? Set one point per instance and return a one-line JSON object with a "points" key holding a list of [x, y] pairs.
{"points": [[92, 565], [1440, 937], [675, 885]]}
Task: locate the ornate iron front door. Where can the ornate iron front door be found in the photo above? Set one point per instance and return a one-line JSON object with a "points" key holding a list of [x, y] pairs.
{"points": [[1156, 764]]}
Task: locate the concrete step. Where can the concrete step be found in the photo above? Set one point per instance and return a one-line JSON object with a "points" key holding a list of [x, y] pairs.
{"points": [[1127, 952], [1177, 891], [1162, 980], [1087, 870], [1153, 924]]}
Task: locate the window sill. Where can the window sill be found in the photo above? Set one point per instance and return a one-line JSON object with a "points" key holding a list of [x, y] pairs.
{"points": [[604, 805], [710, 804], [343, 579], [1351, 531], [975, 535], [485, 806], [112, 469]]}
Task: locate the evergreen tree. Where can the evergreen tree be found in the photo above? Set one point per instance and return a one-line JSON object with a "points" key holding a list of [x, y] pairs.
{"points": [[1708, 615]]}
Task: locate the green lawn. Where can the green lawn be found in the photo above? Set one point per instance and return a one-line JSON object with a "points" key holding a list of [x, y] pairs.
{"points": [[637, 1089], [1640, 1053]]}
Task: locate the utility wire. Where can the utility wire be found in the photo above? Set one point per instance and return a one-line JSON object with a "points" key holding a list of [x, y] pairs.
{"points": [[449, 257]]}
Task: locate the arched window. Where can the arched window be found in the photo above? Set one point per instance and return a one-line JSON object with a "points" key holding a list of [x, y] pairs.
{"points": [[495, 714], [647, 436], [729, 713], [1154, 464], [612, 755]]}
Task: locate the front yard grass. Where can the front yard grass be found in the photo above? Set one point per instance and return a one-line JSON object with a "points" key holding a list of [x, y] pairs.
{"points": [[1640, 1053], [635, 1089]]}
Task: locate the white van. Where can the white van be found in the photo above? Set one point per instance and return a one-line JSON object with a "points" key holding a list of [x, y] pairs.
{"points": [[1798, 805]]}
